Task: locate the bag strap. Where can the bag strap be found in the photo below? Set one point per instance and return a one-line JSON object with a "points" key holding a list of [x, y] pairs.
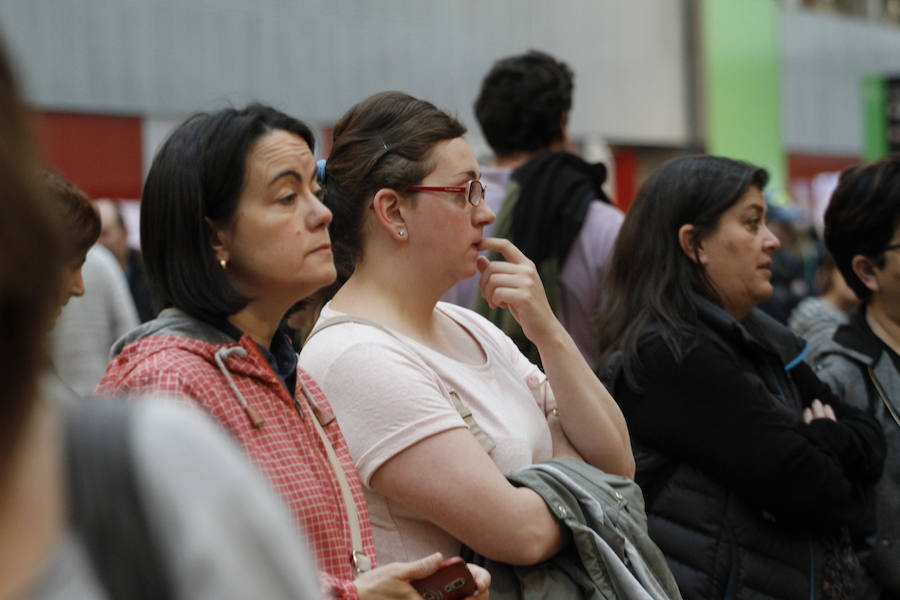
{"points": [[105, 504], [883, 395], [481, 436], [361, 561]]}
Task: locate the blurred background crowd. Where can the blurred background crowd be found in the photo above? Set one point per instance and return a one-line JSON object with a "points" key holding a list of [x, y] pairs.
{"points": [[757, 80]]}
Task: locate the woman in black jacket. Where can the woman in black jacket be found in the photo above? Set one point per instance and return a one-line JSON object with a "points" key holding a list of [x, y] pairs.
{"points": [[754, 472]]}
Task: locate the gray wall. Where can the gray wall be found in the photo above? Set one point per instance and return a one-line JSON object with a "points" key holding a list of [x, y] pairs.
{"points": [[165, 58], [824, 59], [315, 58]]}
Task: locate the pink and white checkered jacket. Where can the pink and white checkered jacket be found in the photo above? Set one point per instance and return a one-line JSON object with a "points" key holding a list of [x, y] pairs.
{"points": [[178, 355]]}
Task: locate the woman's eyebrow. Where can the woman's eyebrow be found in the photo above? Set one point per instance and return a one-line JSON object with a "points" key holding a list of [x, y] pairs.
{"points": [[286, 173]]}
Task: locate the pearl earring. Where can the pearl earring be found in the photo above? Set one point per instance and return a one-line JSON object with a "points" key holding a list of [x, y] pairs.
{"points": [[223, 263], [400, 233]]}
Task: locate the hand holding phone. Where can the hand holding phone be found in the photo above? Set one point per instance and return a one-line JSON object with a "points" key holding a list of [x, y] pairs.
{"points": [[451, 581]]}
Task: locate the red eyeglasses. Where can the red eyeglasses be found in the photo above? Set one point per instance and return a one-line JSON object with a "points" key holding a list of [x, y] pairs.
{"points": [[474, 190]]}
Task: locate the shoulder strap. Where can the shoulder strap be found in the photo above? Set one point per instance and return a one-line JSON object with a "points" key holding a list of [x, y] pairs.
{"points": [[361, 561], [883, 395], [105, 504], [481, 436]]}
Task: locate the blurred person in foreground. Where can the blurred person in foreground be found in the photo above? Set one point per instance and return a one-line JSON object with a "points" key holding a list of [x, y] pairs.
{"points": [[102, 310], [233, 235], [861, 361], [100, 501], [752, 469], [549, 202], [114, 237]]}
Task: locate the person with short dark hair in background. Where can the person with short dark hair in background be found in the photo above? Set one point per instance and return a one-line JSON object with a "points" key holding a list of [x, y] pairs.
{"points": [[753, 471], [114, 236], [549, 202], [861, 361]]}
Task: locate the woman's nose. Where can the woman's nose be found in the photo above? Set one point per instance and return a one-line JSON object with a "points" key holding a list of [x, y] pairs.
{"points": [[319, 215], [771, 243], [483, 215]]}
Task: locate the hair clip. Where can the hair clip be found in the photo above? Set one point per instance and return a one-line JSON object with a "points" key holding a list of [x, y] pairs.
{"points": [[381, 139], [320, 170]]}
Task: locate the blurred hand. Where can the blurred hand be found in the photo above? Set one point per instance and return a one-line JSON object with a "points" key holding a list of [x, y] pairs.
{"points": [[817, 410], [516, 285], [391, 581]]}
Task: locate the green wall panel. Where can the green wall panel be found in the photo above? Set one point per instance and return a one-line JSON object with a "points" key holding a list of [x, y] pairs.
{"points": [[874, 118], [742, 83]]}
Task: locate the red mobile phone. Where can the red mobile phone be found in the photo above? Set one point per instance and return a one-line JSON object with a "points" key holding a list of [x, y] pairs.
{"points": [[451, 581]]}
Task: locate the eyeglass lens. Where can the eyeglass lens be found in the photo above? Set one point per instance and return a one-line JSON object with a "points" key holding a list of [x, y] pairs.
{"points": [[475, 193]]}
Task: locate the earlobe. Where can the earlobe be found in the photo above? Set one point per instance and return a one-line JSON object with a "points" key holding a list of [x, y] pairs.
{"points": [[864, 267], [389, 211], [690, 245], [217, 241]]}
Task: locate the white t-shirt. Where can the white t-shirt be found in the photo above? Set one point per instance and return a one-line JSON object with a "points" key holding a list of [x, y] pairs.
{"points": [[390, 394]]}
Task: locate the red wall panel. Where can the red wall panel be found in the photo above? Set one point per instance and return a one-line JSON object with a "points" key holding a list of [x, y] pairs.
{"points": [[626, 160], [808, 165], [100, 154]]}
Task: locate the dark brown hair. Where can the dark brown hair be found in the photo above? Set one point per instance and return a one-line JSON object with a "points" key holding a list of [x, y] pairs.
{"points": [[651, 282], [29, 267], [79, 218], [861, 217], [385, 141], [522, 102]]}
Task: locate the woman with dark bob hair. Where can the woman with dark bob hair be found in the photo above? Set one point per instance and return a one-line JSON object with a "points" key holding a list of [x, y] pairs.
{"points": [[233, 235], [103, 499], [752, 470], [437, 403]]}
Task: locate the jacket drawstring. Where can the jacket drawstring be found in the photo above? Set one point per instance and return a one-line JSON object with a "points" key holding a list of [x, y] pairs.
{"points": [[223, 354]]}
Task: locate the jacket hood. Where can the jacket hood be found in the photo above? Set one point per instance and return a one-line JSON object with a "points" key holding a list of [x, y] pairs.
{"points": [[855, 340], [175, 329], [176, 323]]}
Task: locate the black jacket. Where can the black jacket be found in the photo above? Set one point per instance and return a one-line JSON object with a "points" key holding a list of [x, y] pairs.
{"points": [[741, 494]]}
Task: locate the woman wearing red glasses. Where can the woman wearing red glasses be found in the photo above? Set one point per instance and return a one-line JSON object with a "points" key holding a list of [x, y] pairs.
{"points": [[403, 370]]}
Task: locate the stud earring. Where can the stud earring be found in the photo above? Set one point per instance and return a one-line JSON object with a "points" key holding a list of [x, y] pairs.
{"points": [[400, 233], [223, 263]]}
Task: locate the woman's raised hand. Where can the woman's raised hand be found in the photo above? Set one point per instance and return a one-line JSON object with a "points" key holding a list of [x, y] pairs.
{"points": [[515, 284]]}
